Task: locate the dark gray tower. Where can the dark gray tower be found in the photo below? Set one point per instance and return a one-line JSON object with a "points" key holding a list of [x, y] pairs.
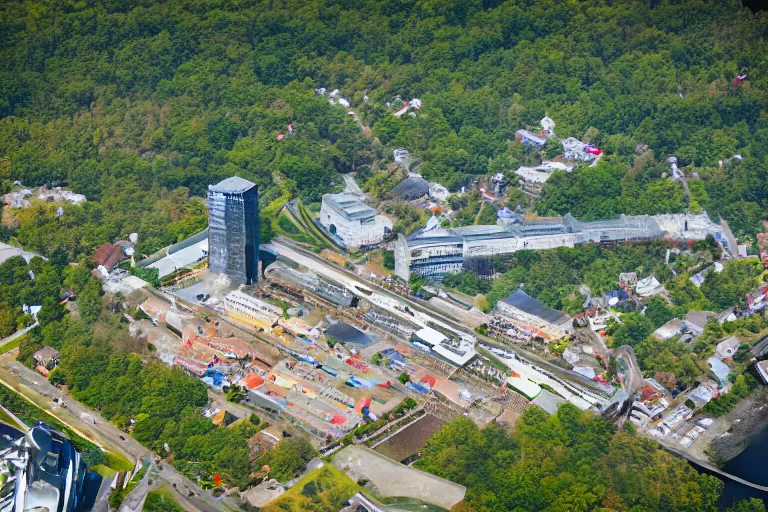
{"points": [[233, 229]]}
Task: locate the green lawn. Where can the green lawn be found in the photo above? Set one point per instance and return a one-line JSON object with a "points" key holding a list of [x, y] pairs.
{"points": [[12, 345], [117, 462], [161, 500], [30, 413], [322, 490], [104, 470]]}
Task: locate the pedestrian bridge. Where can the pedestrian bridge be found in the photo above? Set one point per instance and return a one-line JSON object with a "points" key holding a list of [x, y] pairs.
{"points": [[713, 469]]}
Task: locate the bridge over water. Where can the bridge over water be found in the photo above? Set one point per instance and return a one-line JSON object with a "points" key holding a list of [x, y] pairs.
{"points": [[713, 469]]}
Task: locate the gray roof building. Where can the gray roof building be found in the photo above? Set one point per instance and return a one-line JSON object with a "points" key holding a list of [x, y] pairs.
{"points": [[412, 187], [232, 185], [533, 307], [349, 206]]}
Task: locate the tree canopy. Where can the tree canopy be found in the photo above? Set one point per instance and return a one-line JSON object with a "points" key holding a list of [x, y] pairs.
{"points": [[571, 461]]}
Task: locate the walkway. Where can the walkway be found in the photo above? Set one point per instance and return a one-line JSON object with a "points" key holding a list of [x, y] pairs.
{"points": [[733, 246], [17, 334], [39, 391], [713, 469]]}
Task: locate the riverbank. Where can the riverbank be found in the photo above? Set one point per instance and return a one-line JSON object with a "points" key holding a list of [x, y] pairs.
{"points": [[729, 435]]}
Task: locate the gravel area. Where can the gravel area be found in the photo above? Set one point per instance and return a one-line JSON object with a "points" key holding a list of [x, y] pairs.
{"points": [[392, 479]]}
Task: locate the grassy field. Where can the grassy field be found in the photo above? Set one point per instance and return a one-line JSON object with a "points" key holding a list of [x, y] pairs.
{"points": [[161, 500], [12, 345], [322, 490], [30, 414]]}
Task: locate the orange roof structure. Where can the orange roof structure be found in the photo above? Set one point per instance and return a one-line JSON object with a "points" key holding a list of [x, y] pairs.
{"points": [[252, 381]]}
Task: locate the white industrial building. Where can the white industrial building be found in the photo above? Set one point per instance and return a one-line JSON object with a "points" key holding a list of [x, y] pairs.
{"points": [[352, 221], [458, 353], [435, 252]]}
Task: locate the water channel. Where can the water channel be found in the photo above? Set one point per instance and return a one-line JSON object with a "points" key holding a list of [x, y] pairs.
{"points": [[751, 465]]}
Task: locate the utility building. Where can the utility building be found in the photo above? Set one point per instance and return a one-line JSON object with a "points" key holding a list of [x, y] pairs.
{"points": [[233, 229], [352, 221]]}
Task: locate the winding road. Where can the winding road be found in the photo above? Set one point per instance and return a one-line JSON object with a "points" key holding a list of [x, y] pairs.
{"points": [[104, 434]]}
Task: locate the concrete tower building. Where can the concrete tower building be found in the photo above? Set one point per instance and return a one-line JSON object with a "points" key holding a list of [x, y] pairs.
{"points": [[233, 229]]}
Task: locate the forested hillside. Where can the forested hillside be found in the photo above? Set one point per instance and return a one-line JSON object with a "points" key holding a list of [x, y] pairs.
{"points": [[568, 462], [126, 100]]}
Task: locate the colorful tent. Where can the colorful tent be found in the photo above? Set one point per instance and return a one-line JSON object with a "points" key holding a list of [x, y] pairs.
{"points": [[592, 150], [363, 405], [338, 419]]}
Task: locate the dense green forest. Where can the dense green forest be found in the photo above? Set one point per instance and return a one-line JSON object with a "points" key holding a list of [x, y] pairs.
{"points": [[106, 368], [571, 461], [141, 104]]}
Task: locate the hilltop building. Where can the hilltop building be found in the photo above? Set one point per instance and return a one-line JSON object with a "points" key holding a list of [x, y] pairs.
{"points": [[233, 229], [352, 221], [532, 179], [433, 252]]}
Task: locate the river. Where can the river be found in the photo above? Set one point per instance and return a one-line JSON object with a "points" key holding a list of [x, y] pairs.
{"points": [[751, 466]]}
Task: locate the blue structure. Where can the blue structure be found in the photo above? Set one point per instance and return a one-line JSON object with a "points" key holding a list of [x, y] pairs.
{"points": [[233, 229], [44, 472]]}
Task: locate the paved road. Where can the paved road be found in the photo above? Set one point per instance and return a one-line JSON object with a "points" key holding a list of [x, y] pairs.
{"points": [[352, 187], [17, 334], [103, 433], [733, 247]]}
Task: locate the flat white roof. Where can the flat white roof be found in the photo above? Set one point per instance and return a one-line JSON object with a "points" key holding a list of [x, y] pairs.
{"points": [[8, 251], [430, 336], [532, 175], [455, 358], [238, 295], [182, 258], [527, 387]]}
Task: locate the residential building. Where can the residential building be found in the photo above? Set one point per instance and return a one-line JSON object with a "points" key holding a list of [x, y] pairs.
{"points": [[109, 255], [233, 229], [575, 150], [46, 359], [251, 310], [727, 348], [697, 320], [528, 138], [648, 286], [669, 330], [762, 370], [352, 221], [47, 356], [264, 441], [532, 179]]}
